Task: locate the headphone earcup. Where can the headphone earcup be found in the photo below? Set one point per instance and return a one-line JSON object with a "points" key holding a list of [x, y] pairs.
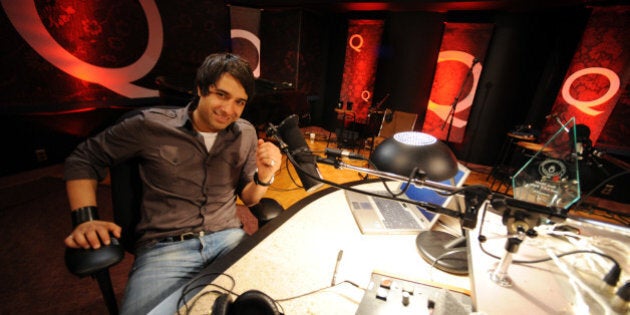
{"points": [[222, 304], [254, 302]]}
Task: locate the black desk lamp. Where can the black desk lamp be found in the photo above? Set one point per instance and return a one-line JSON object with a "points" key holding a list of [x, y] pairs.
{"points": [[418, 158], [410, 156], [417, 154], [410, 150]]}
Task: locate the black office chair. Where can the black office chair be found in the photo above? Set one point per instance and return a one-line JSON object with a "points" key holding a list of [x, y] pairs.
{"points": [[174, 92], [126, 189]]}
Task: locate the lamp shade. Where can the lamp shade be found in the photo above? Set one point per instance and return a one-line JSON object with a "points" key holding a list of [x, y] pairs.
{"points": [[410, 149]]}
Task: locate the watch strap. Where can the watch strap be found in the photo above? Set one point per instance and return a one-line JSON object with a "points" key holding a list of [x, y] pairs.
{"points": [[260, 183]]}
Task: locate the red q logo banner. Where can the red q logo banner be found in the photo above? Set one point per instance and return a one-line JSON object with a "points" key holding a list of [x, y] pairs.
{"points": [[457, 73], [592, 86]]}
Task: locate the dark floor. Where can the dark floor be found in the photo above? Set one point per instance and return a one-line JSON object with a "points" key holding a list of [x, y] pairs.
{"points": [[35, 219]]}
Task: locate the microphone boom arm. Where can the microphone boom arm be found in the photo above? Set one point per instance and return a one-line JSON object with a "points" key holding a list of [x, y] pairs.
{"points": [[474, 196], [471, 211]]}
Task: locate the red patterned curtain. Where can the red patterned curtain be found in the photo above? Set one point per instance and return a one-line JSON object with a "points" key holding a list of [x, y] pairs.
{"points": [[459, 66], [245, 26], [593, 84], [357, 86]]}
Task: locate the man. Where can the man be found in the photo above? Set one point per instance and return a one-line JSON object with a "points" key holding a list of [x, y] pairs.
{"points": [[194, 161]]}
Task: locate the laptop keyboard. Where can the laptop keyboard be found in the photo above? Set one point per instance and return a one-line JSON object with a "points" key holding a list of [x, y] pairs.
{"points": [[394, 215]]}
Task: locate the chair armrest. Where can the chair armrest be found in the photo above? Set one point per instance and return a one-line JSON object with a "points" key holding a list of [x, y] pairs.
{"points": [[266, 210], [85, 262]]}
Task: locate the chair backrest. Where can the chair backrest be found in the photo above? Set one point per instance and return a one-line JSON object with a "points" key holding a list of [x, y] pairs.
{"points": [[171, 94], [396, 121], [126, 188], [126, 200]]}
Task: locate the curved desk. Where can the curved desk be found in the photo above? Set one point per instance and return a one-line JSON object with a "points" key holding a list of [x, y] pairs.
{"points": [[296, 253]]}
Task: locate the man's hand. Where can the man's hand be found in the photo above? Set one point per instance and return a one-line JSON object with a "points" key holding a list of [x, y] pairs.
{"points": [[92, 234], [268, 159]]}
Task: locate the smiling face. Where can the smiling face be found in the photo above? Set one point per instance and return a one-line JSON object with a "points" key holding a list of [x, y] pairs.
{"points": [[222, 106]]}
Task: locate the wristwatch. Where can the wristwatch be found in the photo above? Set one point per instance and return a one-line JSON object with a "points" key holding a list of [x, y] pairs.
{"points": [[259, 183]]}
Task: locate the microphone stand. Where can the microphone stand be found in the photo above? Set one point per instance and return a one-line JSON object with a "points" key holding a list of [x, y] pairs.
{"points": [[474, 196], [518, 216], [451, 113]]}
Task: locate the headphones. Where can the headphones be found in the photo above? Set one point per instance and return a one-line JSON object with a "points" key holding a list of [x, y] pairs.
{"points": [[252, 302]]}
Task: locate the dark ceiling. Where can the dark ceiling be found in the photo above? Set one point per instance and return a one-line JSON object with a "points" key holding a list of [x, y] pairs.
{"points": [[422, 5]]}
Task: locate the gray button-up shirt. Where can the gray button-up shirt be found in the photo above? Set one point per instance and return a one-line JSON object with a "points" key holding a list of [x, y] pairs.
{"points": [[186, 188]]}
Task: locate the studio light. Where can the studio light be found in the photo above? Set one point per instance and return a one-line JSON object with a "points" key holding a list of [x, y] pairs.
{"points": [[415, 152]]}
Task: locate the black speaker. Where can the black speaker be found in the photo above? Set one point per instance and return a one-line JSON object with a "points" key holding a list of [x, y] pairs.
{"points": [[252, 302]]}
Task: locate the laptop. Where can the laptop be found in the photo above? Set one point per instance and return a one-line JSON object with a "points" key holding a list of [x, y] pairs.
{"points": [[375, 215]]}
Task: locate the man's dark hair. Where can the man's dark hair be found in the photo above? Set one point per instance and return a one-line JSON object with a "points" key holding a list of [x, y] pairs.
{"points": [[216, 65]]}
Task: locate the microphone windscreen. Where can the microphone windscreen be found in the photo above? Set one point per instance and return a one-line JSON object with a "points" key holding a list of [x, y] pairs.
{"points": [[290, 133]]}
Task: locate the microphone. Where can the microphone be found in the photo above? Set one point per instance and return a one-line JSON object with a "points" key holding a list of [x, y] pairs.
{"points": [[598, 153], [475, 61], [552, 115], [558, 117], [343, 153], [379, 104], [290, 134]]}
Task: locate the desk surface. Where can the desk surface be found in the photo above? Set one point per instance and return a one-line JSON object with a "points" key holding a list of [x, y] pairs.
{"points": [[543, 288], [298, 255]]}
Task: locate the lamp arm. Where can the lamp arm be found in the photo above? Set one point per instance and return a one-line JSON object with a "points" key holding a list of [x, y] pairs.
{"points": [[502, 204], [474, 197], [387, 175], [381, 174]]}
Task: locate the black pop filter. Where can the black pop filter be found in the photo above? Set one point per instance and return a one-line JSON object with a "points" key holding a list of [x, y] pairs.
{"points": [[290, 133]]}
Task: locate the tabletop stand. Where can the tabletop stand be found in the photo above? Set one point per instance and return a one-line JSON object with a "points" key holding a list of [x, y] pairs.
{"points": [[499, 274]]}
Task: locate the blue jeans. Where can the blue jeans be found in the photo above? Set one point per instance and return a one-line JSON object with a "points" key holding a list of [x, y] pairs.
{"points": [[162, 268]]}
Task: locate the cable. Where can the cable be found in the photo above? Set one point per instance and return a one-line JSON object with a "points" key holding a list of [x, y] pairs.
{"points": [[404, 190], [319, 290], [483, 238], [191, 286], [445, 255], [574, 280], [428, 206], [287, 162], [611, 278], [536, 261]]}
